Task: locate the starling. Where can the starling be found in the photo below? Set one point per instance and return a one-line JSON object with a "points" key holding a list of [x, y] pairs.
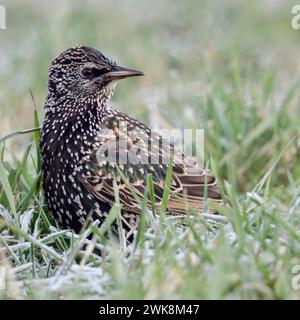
{"points": [[80, 131]]}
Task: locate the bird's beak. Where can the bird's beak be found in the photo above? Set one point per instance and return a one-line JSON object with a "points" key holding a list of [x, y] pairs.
{"points": [[117, 73]]}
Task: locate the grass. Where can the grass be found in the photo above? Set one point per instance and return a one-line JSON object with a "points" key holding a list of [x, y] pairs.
{"points": [[250, 112], [246, 253]]}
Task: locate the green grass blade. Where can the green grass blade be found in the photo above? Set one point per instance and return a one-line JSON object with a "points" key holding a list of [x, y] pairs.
{"points": [[167, 189], [8, 191]]}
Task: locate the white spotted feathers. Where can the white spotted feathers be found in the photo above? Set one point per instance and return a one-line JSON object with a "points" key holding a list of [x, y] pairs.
{"points": [[86, 145]]}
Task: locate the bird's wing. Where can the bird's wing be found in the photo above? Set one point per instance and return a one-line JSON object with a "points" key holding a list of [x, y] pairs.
{"points": [[128, 150]]}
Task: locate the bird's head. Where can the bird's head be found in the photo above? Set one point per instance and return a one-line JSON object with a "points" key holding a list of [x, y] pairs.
{"points": [[85, 72]]}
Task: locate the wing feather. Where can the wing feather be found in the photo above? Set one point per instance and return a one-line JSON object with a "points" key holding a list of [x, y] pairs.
{"points": [[190, 181]]}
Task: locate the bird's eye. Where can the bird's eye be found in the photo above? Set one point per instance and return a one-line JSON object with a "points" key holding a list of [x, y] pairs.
{"points": [[87, 73], [90, 73]]}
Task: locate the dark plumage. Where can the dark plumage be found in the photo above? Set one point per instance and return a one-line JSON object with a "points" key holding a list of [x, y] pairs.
{"points": [[80, 130]]}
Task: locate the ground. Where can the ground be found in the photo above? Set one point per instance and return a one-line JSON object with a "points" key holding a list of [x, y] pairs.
{"points": [[231, 68]]}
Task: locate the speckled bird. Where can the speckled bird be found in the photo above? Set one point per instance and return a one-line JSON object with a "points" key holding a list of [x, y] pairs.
{"points": [[77, 133]]}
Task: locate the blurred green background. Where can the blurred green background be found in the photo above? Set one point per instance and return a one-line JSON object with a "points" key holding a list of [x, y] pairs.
{"points": [[231, 67], [208, 64]]}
